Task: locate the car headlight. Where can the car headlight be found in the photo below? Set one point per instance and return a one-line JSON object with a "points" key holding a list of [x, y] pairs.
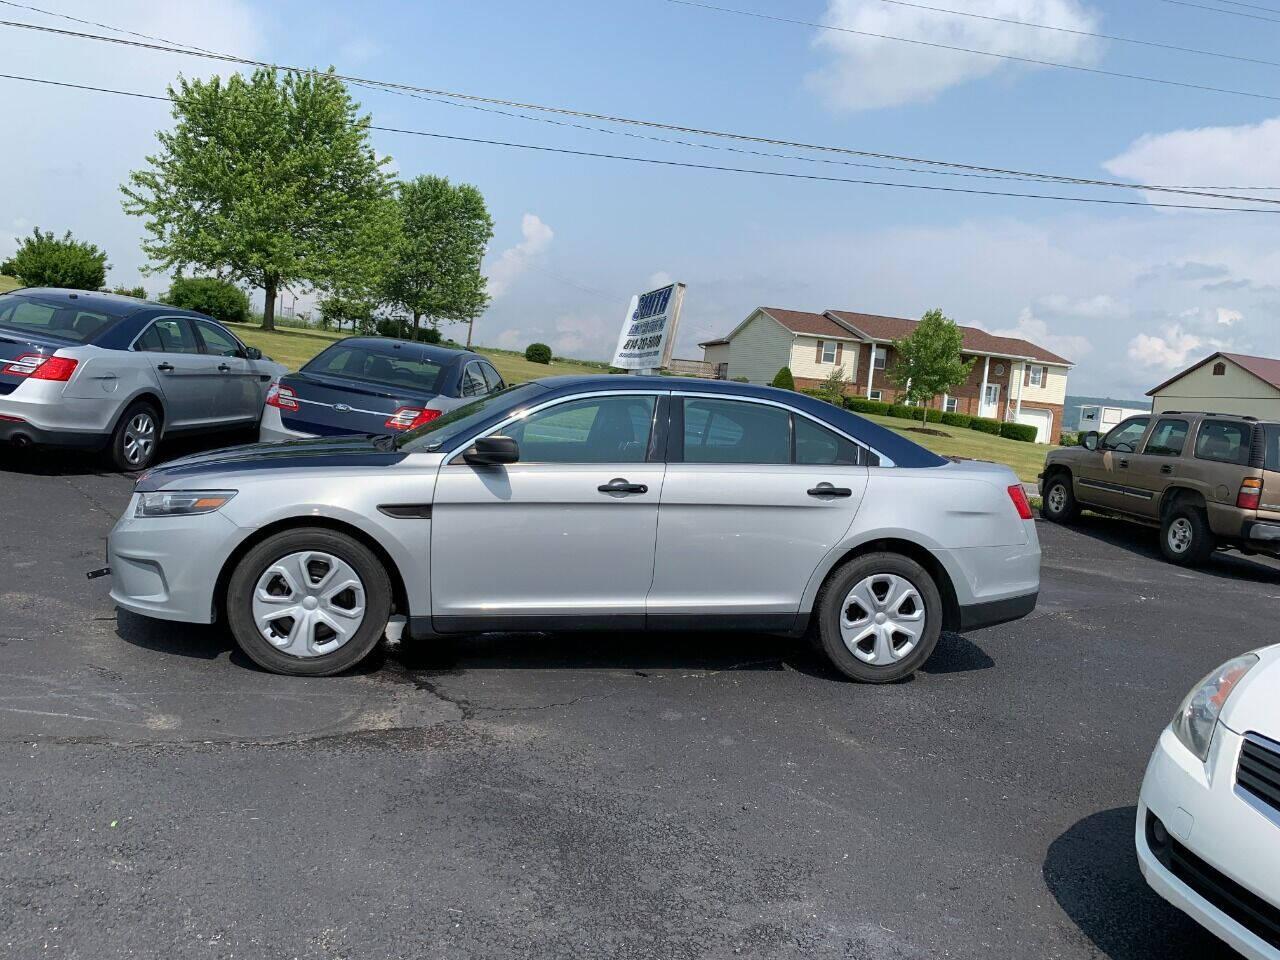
{"points": [[181, 503], [1196, 719]]}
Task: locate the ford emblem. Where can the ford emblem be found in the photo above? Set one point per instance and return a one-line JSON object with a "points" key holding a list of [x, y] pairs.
{"points": [[342, 408]]}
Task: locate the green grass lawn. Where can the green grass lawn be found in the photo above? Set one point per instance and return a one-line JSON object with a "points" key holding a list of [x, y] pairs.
{"points": [[1026, 459], [9, 283]]}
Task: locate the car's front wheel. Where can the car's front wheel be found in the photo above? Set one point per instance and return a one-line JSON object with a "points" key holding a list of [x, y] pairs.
{"points": [[879, 617], [308, 602], [1059, 503]]}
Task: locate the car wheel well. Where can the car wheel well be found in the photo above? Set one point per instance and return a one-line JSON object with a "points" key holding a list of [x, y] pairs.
{"points": [[1052, 472], [922, 556], [150, 398], [1175, 496], [399, 595]]}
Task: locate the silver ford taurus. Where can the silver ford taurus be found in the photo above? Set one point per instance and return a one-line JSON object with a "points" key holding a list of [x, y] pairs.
{"points": [[586, 503]]}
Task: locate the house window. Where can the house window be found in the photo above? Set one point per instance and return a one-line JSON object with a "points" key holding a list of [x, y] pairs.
{"points": [[875, 395], [882, 355], [1035, 377], [991, 397], [1219, 369], [828, 351], [950, 405]]}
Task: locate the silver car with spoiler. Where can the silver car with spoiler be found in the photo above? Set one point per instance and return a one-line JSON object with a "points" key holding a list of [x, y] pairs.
{"points": [[576, 503]]}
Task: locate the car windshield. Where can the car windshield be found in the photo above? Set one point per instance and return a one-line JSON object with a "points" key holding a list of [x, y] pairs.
{"points": [[459, 420], [381, 366], [63, 321]]}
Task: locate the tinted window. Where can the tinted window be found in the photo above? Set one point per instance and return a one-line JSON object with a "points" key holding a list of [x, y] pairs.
{"points": [[1125, 436], [55, 320], [595, 430], [818, 445], [1271, 457], [377, 366], [491, 377], [733, 431], [1224, 441], [169, 336], [1167, 439], [217, 341], [473, 384]]}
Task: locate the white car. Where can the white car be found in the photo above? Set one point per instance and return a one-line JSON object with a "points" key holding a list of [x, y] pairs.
{"points": [[1208, 830]]}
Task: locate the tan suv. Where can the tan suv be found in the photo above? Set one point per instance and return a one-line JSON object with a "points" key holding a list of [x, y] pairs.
{"points": [[1209, 480]]}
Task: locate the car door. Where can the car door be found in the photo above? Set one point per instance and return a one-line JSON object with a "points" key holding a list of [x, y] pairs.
{"points": [[756, 494], [179, 368], [234, 386], [562, 538], [1102, 478], [1153, 469]]}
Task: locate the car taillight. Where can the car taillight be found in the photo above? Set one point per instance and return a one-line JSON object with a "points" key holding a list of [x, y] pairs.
{"points": [[282, 397], [37, 366], [410, 418], [1020, 502], [1250, 495]]}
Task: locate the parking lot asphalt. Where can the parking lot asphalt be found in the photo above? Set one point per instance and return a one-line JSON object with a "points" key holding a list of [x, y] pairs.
{"points": [[589, 796]]}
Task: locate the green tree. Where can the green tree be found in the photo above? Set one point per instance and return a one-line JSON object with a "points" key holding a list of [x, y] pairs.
{"points": [[43, 260], [833, 386], [138, 293], [344, 306], [784, 380], [928, 361], [537, 353], [220, 299], [268, 179], [433, 268]]}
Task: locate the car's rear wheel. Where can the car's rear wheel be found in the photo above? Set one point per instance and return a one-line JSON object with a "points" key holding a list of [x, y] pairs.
{"points": [[1185, 537], [1059, 502], [136, 437], [308, 602], [879, 617]]}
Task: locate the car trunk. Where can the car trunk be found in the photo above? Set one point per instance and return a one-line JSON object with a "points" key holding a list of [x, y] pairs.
{"points": [[13, 344], [332, 406]]}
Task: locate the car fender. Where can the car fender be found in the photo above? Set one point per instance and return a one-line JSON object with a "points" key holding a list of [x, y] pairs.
{"points": [[854, 540]]}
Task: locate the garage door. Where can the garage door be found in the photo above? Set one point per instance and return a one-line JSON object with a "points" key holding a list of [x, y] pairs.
{"points": [[1042, 420]]}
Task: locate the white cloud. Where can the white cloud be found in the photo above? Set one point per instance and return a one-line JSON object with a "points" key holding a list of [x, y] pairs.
{"points": [[867, 72], [512, 262], [1171, 349], [659, 279], [1037, 330], [1226, 317]]}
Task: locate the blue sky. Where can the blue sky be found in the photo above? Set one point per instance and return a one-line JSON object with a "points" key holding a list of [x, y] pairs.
{"points": [[1127, 293]]}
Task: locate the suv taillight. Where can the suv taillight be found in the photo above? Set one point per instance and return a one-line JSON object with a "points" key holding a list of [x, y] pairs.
{"points": [[36, 366], [1250, 495], [410, 418], [1020, 502], [281, 397]]}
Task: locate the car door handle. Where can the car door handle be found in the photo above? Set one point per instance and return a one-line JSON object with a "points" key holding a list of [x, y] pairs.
{"points": [[827, 490], [1123, 462], [619, 485], [224, 368], [165, 367], [1166, 468]]}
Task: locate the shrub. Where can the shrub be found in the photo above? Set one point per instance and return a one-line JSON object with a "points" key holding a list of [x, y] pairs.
{"points": [[985, 425], [933, 415], [956, 419], [741, 380], [863, 405], [43, 260], [138, 293], [1069, 438], [784, 380], [220, 299], [537, 353], [904, 412], [1018, 431]]}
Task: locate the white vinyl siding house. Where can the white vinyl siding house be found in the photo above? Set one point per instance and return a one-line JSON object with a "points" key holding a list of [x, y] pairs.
{"points": [[809, 359], [1223, 383], [761, 347]]}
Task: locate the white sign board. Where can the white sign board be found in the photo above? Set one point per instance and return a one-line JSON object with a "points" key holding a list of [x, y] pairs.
{"points": [[649, 330]]}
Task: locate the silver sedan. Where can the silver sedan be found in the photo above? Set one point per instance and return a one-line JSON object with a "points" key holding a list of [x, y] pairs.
{"points": [[586, 503]]}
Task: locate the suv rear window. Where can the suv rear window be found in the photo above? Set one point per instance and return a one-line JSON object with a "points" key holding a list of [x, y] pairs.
{"points": [[1224, 441], [1271, 458], [27, 315], [376, 366]]}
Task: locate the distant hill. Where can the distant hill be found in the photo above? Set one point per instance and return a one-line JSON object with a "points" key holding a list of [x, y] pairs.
{"points": [[1071, 409]]}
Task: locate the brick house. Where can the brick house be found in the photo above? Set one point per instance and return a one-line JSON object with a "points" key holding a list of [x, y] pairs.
{"points": [[1012, 379]]}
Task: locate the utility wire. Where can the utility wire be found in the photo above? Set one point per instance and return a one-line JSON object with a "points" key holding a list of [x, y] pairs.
{"points": [[726, 169], [651, 124], [1251, 6], [1230, 13]]}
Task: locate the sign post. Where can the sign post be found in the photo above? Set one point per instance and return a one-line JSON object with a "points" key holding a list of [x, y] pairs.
{"points": [[649, 330]]}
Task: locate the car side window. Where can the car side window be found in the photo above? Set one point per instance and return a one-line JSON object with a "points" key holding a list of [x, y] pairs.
{"points": [[492, 378], [473, 384], [1124, 437], [819, 446], [593, 430], [218, 341], [1167, 439], [1224, 441], [170, 335], [735, 431]]}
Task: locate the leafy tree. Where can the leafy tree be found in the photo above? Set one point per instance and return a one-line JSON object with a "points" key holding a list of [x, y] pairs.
{"points": [[433, 269], [832, 389], [928, 361], [339, 307], [537, 353], [783, 379], [138, 293], [220, 299], [43, 260], [268, 179]]}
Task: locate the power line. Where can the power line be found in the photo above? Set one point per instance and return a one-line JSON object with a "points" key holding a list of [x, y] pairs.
{"points": [[1085, 33], [1252, 6], [981, 53], [650, 124], [1229, 13], [727, 169]]}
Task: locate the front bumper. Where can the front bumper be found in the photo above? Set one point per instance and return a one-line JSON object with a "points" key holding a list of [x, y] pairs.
{"points": [[1205, 813]]}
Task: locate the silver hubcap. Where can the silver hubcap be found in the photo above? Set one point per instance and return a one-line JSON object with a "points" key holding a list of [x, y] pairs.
{"points": [[308, 604], [882, 619], [139, 438], [1057, 498], [1180, 535]]}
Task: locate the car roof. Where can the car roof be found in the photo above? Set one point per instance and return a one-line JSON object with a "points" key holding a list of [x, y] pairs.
{"points": [[111, 304], [427, 351]]}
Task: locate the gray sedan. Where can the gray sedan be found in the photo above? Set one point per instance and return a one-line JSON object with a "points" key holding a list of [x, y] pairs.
{"points": [[585, 503], [95, 370]]}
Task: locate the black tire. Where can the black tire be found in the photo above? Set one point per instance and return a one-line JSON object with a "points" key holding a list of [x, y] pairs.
{"points": [[1059, 507], [1185, 537], [141, 452], [829, 604], [368, 568]]}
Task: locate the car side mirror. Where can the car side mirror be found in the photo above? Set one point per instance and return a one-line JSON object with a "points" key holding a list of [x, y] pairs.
{"points": [[1089, 440], [492, 451], [253, 353]]}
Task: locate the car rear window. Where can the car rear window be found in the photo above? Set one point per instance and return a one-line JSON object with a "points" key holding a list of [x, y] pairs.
{"points": [[60, 320], [1224, 441], [377, 366], [1271, 456]]}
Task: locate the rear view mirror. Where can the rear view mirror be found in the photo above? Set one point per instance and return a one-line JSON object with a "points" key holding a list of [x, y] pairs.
{"points": [[492, 451], [1089, 440]]}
